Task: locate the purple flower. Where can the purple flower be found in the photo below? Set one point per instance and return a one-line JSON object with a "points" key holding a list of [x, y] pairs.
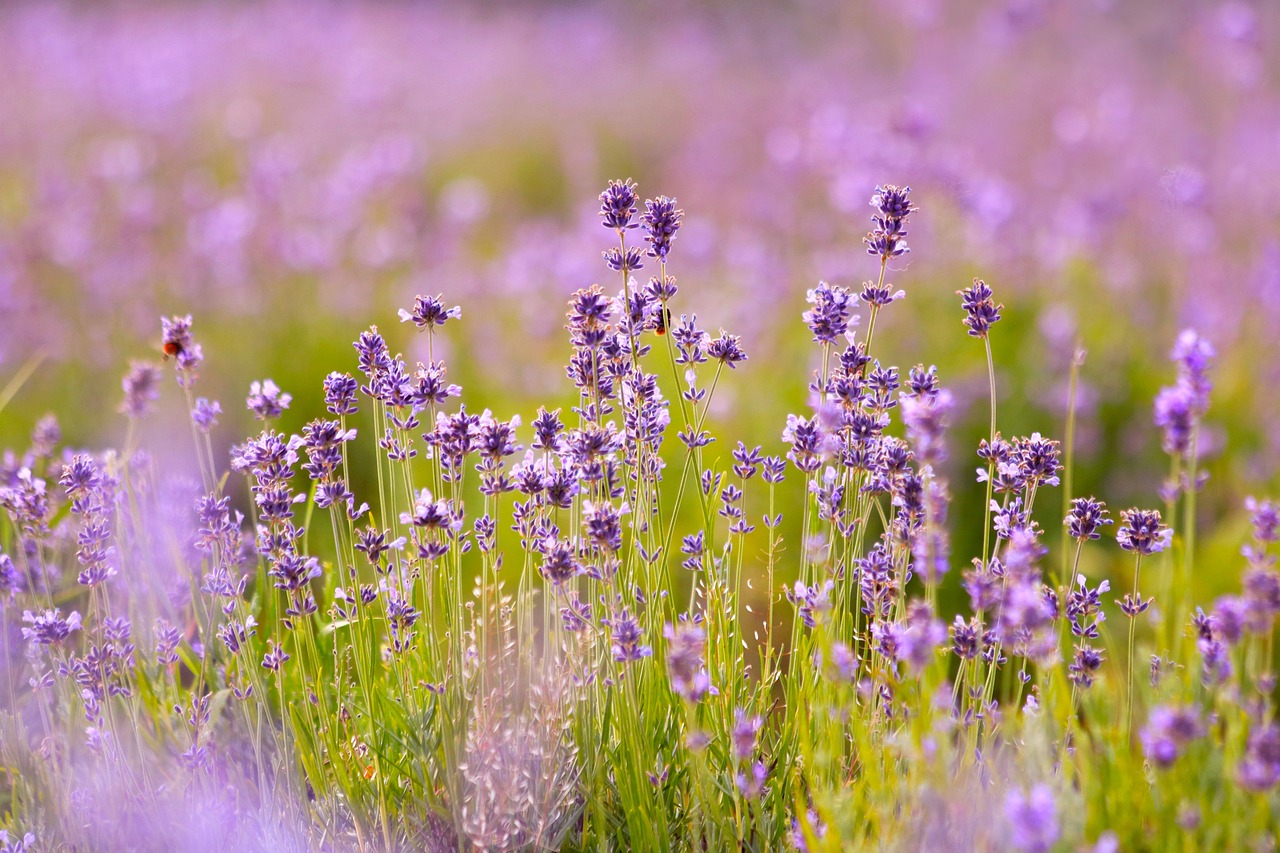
{"points": [[1141, 531], [1193, 355], [1230, 618], [1265, 517], [926, 419], [559, 562], [294, 571], [266, 400], [429, 312], [811, 601], [832, 309], [432, 514], [576, 616], [1260, 768], [141, 388], [373, 356], [810, 444], [661, 221], [340, 393], [726, 349], [893, 204], [745, 728], [915, 641], [48, 627], [603, 524], [752, 786], [167, 639], [81, 478], [10, 580], [981, 311], [547, 427], [1084, 666], [275, 657], [25, 844], [618, 260], [177, 343], [966, 637], [1086, 516], [1179, 407], [627, 634], [234, 634], [1168, 732], [205, 414], [880, 295], [685, 666], [921, 382], [1033, 819], [618, 205], [844, 663]]}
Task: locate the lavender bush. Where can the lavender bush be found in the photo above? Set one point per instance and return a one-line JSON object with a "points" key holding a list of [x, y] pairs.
{"points": [[591, 631]]}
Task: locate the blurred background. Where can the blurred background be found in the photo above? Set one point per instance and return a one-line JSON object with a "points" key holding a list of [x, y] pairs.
{"points": [[290, 173]]}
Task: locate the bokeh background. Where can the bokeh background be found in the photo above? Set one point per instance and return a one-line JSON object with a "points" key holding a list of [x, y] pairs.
{"points": [[290, 173]]}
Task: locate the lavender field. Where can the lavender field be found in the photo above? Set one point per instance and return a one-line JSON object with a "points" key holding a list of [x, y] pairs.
{"points": [[649, 427]]}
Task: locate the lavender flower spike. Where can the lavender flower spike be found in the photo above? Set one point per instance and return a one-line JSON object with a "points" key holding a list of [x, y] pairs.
{"points": [[266, 400], [48, 627], [1141, 531], [662, 219], [429, 312], [981, 310]]}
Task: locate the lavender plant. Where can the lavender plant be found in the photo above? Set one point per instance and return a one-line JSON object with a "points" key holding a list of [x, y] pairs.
{"points": [[559, 646]]}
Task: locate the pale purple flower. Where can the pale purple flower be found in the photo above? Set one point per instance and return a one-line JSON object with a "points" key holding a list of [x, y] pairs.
{"points": [[1265, 517], [1033, 819], [752, 785], [1259, 770], [266, 400], [926, 418], [49, 627], [743, 735], [430, 312], [141, 388], [177, 343], [1169, 731], [205, 414], [686, 644]]}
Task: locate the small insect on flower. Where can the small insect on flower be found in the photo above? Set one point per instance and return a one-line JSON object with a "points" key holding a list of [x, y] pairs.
{"points": [[171, 349], [662, 322]]}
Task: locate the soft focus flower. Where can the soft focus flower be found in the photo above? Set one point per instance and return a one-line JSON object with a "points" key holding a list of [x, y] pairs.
{"points": [[686, 667], [1033, 819], [1168, 731], [266, 400], [141, 388]]}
